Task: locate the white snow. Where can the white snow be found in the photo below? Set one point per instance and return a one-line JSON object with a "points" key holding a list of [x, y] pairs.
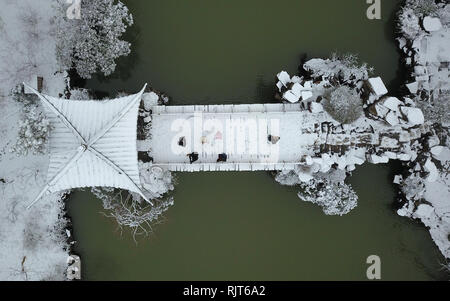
{"points": [[392, 103], [414, 115], [316, 107], [432, 24], [97, 163], [437, 150], [291, 97], [150, 99], [433, 171], [392, 119], [284, 78], [424, 211], [413, 87], [375, 159], [377, 86], [398, 179], [307, 95], [32, 241], [38, 234]]}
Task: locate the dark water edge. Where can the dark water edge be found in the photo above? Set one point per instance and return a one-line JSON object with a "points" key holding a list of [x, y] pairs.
{"points": [[244, 226]]}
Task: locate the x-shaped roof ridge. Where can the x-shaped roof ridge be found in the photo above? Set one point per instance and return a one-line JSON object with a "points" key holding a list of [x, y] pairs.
{"points": [[87, 146]]}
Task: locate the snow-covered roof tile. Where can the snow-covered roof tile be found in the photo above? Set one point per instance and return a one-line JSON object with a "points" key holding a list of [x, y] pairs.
{"points": [[92, 143]]}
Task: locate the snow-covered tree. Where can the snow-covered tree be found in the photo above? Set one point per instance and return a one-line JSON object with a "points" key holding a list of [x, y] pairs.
{"points": [[344, 104], [33, 132], [93, 43], [335, 197], [342, 68], [130, 210]]}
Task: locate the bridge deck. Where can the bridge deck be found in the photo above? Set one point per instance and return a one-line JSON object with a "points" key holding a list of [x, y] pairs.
{"points": [[240, 131]]}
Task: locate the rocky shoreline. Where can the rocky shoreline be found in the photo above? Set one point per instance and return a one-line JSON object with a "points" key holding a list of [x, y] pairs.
{"points": [[412, 128]]}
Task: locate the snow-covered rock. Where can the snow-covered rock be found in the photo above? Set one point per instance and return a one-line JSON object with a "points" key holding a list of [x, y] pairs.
{"points": [[296, 89], [304, 177], [424, 210], [431, 24], [291, 97], [413, 87], [316, 107], [437, 150], [375, 159], [381, 110], [404, 157], [392, 103], [414, 115], [306, 94], [431, 168], [377, 86], [398, 179], [284, 78], [392, 119]]}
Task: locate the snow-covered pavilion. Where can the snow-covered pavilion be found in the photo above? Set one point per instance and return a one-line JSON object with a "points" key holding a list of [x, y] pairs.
{"points": [[92, 143]]}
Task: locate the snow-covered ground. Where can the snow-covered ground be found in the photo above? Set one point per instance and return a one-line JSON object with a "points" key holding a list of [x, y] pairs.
{"points": [[32, 242], [426, 189]]}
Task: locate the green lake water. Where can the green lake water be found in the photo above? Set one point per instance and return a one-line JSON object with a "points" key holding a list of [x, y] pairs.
{"points": [[245, 226]]}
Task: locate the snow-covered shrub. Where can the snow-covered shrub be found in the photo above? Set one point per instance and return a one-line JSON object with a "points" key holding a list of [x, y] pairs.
{"points": [[288, 178], [436, 112], [18, 95], [121, 94], [80, 94], [93, 42], [344, 104], [423, 8], [155, 180], [343, 68], [335, 197], [132, 212], [33, 132], [409, 23]]}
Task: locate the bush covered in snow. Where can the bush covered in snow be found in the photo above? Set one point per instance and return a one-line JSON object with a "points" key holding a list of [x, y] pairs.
{"points": [[288, 178], [93, 42], [409, 23], [412, 13], [80, 94], [33, 132], [155, 180], [423, 8], [345, 69], [335, 197], [344, 104]]}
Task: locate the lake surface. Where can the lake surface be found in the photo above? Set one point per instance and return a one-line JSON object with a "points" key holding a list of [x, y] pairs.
{"points": [[245, 226]]}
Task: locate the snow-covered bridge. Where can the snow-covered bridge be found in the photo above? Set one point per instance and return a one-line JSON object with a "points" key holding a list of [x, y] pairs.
{"points": [[253, 137], [240, 131]]}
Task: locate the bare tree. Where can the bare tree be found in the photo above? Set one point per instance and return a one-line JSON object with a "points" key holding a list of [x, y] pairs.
{"points": [[132, 212]]}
